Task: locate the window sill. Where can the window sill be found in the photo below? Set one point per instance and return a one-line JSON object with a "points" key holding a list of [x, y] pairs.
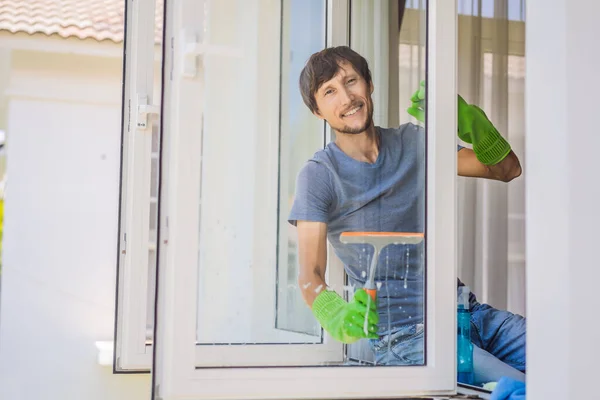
{"points": [[106, 354]]}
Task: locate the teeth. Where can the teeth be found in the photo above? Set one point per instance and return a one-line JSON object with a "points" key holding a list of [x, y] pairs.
{"points": [[352, 111]]}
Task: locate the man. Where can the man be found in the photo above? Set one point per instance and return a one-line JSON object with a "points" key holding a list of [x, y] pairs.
{"points": [[372, 179]]}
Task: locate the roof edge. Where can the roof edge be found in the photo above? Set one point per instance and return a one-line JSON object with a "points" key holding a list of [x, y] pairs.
{"points": [[71, 45]]}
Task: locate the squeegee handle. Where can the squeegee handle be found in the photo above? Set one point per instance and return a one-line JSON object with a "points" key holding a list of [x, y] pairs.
{"points": [[372, 293]]}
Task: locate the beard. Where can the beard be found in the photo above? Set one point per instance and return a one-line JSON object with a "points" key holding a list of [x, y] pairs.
{"points": [[359, 129]]}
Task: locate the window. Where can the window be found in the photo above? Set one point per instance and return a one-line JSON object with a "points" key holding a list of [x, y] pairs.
{"points": [[222, 255], [208, 198], [516, 8], [239, 136], [139, 187]]}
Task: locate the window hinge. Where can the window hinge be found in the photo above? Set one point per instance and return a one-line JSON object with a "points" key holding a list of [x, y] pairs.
{"points": [[143, 110]]}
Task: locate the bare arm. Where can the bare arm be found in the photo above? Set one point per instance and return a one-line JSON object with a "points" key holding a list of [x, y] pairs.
{"points": [[312, 251], [505, 171]]}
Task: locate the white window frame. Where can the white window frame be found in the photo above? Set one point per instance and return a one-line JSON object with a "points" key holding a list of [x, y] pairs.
{"points": [[189, 45], [175, 372], [132, 351]]}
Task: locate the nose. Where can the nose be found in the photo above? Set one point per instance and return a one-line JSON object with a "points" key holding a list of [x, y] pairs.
{"points": [[346, 96]]}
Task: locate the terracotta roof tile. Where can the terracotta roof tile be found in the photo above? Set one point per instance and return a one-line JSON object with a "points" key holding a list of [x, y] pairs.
{"points": [[84, 19]]}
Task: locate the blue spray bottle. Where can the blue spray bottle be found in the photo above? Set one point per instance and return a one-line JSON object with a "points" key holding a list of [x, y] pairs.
{"points": [[464, 346]]}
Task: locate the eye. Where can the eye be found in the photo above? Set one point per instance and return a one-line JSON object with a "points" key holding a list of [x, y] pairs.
{"points": [[328, 91], [350, 81]]}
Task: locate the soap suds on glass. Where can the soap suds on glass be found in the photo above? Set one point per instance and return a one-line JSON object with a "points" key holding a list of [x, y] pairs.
{"points": [[407, 262]]}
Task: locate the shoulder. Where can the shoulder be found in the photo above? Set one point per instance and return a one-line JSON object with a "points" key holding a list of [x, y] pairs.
{"points": [[317, 165], [404, 135], [405, 130], [316, 170]]}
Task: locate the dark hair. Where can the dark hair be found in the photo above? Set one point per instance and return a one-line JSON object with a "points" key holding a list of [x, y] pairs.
{"points": [[322, 66]]}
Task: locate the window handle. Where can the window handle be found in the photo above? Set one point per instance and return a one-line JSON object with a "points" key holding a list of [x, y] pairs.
{"points": [[144, 109]]}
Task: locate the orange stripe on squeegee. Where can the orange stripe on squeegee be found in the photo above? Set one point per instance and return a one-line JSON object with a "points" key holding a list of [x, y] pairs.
{"points": [[386, 234]]}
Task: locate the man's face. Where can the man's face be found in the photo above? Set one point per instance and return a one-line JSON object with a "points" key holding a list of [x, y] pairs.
{"points": [[345, 102]]}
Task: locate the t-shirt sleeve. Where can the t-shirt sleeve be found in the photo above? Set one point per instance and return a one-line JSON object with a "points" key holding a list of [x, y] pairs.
{"points": [[313, 195]]}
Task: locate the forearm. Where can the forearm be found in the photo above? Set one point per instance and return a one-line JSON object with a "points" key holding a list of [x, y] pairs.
{"points": [[311, 283], [312, 257], [506, 170]]}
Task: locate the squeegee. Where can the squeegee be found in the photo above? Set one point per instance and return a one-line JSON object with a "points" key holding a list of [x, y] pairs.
{"points": [[378, 240]]}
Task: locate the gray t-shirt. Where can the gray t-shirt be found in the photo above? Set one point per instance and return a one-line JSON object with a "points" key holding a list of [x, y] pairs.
{"points": [[386, 196]]}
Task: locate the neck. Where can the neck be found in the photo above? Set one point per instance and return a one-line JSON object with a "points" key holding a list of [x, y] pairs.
{"points": [[362, 146]]}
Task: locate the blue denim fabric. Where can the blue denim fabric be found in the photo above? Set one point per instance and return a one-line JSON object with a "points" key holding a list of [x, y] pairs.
{"points": [[498, 337], [500, 333], [405, 346]]}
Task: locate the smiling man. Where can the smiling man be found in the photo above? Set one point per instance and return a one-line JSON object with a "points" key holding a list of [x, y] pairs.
{"points": [[372, 179]]}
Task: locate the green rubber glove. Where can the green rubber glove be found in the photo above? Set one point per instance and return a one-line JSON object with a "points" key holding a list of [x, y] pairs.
{"points": [[417, 109], [344, 321], [475, 128]]}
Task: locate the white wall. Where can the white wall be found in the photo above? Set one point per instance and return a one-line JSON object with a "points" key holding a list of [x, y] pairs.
{"points": [[4, 74], [562, 198], [59, 262]]}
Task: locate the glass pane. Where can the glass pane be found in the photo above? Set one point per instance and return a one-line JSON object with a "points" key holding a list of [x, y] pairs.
{"points": [[260, 141], [379, 234], [301, 135], [256, 135]]}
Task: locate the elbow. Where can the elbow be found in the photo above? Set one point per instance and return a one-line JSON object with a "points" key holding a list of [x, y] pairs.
{"points": [[511, 168], [514, 173]]}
